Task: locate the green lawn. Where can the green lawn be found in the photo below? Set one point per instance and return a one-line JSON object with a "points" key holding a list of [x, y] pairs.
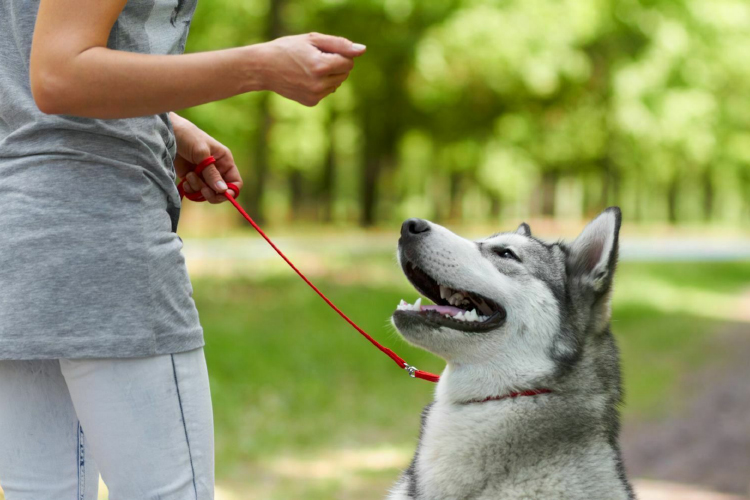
{"points": [[307, 409], [291, 379]]}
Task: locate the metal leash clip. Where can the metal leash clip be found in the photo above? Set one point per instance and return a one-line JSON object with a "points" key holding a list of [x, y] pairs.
{"points": [[411, 369]]}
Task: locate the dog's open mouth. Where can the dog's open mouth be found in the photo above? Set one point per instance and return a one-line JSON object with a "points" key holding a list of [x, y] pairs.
{"points": [[457, 309]]}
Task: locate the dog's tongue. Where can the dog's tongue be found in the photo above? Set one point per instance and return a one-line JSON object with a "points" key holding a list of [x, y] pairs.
{"points": [[442, 309]]}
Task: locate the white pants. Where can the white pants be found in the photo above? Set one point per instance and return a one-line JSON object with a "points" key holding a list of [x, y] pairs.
{"points": [[146, 424]]}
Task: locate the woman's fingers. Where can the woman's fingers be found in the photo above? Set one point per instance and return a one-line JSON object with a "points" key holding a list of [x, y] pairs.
{"points": [[213, 179], [194, 183], [336, 45], [334, 81], [334, 64], [214, 185]]}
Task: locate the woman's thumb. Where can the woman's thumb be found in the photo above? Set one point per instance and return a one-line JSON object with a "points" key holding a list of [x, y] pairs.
{"points": [[337, 45]]}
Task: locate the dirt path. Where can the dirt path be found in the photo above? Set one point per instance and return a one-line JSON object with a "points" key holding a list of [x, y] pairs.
{"points": [[708, 442]]}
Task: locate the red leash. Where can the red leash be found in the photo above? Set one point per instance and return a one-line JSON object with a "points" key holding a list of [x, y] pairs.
{"points": [[413, 371]]}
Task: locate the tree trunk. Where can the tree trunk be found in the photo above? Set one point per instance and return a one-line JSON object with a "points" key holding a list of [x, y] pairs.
{"points": [[638, 212], [260, 156], [496, 206], [369, 190], [296, 195], [455, 196], [548, 189], [610, 194], [614, 198], [274, 29], [672, 191], [379, 147], [708, 195], [328, 179]]}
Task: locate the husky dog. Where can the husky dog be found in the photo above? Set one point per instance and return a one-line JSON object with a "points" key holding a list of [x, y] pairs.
{"points": [[527, 406]]}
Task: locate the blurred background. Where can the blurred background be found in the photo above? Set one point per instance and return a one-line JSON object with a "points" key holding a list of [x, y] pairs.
{"points": [[478, 115]]}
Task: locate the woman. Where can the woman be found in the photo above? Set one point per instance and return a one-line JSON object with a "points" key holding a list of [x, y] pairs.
{"points": [[101, 359]]}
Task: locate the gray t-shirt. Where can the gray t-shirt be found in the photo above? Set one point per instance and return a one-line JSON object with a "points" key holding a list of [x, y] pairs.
{"points": [[90, 265]]}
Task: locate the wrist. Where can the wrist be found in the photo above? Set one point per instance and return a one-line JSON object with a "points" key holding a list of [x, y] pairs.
{"points": [[253, 63]]}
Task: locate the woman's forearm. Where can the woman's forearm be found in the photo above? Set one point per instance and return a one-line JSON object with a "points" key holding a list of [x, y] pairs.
{"points": [[104, 83]]}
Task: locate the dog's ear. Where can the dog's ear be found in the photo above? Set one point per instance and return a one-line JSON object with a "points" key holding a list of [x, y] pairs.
{"points": [[524, 229], [593, 255]]}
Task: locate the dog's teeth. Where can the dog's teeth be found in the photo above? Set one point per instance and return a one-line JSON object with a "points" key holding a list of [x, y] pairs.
{"points": [[459, 316], [455, 298], [445, 292], [418, 304]]}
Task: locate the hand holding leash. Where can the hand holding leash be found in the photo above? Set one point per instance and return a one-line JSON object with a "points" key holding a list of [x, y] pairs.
{"points": [[231, 193], [194, 145]]}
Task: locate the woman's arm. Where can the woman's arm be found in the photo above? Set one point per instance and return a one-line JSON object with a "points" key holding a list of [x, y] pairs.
{"points": [[73, 72]]}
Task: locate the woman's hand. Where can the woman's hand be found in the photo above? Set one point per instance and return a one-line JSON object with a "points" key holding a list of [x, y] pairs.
{"points": [[194, 146], [306, 68]]}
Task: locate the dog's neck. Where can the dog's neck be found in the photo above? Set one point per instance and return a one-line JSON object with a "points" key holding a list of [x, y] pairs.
{"points": [[470, 384], [511, 395]]}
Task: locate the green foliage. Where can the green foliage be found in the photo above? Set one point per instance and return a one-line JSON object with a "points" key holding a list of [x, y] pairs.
{"points": [[493, 103]]}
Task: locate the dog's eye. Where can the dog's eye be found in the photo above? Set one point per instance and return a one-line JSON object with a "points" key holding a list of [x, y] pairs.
{"points": [[506, 253]]}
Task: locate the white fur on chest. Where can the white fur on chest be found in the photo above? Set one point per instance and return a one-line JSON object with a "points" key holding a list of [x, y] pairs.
{"points": [[473, 451]]}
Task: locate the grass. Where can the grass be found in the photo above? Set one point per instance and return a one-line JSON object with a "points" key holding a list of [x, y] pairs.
{"points": [[290, 378], [288, 375], [306, 409]]}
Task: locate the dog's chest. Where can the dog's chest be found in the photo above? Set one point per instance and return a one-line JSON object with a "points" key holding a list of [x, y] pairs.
{"points": [[457, 450], [477, 452]]}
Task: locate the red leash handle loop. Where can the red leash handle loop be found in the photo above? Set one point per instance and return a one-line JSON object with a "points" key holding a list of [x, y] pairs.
{"points": [[413, 371], [198, 170]]}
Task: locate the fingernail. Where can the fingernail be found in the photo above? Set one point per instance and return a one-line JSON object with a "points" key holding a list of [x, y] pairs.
{"points": [[358, 46], [221, 186]]}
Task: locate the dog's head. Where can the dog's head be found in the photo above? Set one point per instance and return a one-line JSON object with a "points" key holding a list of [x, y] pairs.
{"points": [[510, 302]]}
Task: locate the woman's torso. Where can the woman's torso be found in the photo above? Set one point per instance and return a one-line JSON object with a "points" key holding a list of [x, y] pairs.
{"points": [[90, 265]]}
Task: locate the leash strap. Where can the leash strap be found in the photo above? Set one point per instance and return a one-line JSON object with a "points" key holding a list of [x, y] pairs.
{"points": [[413, 371]]}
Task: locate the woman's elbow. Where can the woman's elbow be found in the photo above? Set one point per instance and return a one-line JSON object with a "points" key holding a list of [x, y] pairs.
{"points": [[49, 91]]}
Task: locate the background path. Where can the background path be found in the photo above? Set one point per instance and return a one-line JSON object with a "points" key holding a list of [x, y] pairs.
{"points": [[708, 443]]}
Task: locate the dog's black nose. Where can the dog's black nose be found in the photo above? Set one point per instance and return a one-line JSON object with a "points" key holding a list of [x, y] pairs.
{"points": [[411, 227]]}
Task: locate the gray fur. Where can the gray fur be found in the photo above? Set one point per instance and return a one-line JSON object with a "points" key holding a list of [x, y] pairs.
{"points": [[556, 335]]}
